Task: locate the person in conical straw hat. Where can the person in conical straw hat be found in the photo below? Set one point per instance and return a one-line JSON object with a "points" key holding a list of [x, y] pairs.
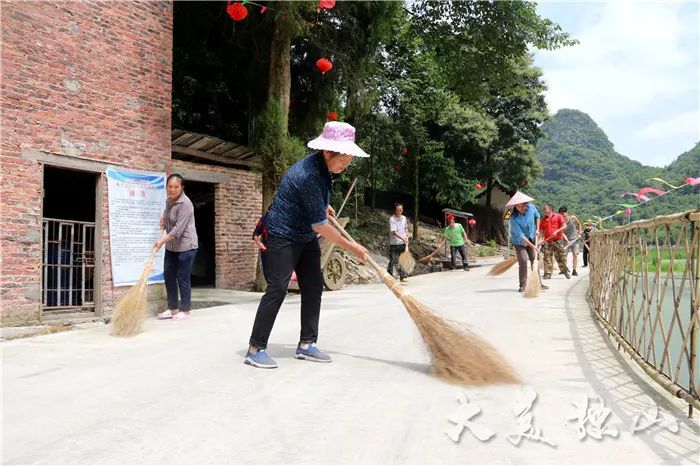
{"points": [[298, 213], [524, 225]]}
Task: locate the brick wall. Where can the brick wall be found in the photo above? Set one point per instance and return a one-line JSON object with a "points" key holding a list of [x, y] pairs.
{"points": [[84, 79], [92, 80]]}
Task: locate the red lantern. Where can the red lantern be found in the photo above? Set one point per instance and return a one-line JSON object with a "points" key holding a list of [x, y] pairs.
{"points": [[326, 4], [237, 11], [404, 151], [332, 116], [523, 183], [398, 167], [471, 222], [479, 186], [263, 9], [324, 65]]}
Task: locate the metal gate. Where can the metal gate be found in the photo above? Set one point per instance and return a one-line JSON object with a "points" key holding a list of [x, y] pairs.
{"points": [[68, 266]]}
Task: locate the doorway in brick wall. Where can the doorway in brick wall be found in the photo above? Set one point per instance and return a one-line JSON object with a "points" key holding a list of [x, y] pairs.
{"points": [[202, 197], [68, 241]]}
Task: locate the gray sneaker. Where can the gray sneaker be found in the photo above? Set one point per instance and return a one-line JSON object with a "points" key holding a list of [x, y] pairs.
{"points": [[312, 353]]}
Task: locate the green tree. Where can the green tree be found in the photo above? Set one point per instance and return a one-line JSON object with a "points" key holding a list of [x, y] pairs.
{"points": [[478, 43]]}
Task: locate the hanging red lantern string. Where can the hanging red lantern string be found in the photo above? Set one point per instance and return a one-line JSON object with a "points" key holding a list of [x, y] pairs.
{"points": [[237, 11], [472, 222], [398, 168], [332, 116], [404, 151]]}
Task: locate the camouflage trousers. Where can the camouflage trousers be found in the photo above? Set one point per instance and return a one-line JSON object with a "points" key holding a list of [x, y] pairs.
{"points": [[556, 250]]}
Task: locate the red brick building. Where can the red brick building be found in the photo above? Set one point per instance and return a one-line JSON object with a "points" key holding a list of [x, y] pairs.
{"points": [[84, 86]]}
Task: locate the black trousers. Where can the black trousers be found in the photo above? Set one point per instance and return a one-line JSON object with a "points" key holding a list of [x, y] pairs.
{"points": [[281, 258], [585, 254], [395, 250], [462, 250]]}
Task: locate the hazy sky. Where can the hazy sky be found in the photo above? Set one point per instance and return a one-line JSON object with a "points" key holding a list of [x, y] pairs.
{"points": [[636, 72]]}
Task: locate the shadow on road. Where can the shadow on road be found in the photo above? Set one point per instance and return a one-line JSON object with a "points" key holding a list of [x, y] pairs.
{"points": [[413, 366]]}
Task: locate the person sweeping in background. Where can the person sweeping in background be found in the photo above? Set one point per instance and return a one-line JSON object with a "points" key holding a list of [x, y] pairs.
{"points": [[572, 232], [551, 227], [587, 242], [454, 232], [181, 244], [398, 240], [524, 225], [299, 211]]}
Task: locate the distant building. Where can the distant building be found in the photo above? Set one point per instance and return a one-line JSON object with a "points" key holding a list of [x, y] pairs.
{"points": [[86, 85], [500, 195]]}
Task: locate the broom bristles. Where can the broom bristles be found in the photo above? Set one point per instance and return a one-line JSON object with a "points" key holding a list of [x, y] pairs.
{"points": [[532, 287], [406, 261], [502, 267], [457, 354], [131, 311]]}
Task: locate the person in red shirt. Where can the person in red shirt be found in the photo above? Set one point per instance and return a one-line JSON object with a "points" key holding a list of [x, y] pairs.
{"points": [[552, 228]]}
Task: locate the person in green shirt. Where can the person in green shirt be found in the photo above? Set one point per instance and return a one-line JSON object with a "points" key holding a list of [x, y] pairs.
{"points": [[454, 232]]}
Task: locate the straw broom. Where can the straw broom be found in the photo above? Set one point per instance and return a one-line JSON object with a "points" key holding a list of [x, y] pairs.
{"points": [[426, 259], [503, 266], [406, 261], [458, 355], [132, 309], [532, 287]]}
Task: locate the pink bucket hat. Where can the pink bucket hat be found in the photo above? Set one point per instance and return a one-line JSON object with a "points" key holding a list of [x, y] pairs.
{"points": [[338, 137], [518, 198]]}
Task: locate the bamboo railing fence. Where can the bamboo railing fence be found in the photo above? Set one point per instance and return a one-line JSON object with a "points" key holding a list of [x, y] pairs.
{"points": [[645, 291]]}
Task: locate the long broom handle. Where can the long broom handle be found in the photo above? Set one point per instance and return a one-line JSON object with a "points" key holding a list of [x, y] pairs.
{"points": [[155, 249], [394, 286], [347, 236], [347, 196]]}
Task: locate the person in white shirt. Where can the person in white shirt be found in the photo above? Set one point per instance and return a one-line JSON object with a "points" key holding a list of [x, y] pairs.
{"points": [[398, 240]]}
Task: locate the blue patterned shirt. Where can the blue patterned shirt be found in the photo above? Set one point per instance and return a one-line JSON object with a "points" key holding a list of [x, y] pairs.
{"points": [[301, 200]]}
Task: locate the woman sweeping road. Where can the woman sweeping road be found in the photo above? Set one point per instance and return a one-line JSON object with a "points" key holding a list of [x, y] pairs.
{"points": [[298, 212], [180, 249], [524, 224]]}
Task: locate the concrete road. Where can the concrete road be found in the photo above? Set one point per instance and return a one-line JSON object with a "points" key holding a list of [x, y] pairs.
{"points": [[179, 392]]}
